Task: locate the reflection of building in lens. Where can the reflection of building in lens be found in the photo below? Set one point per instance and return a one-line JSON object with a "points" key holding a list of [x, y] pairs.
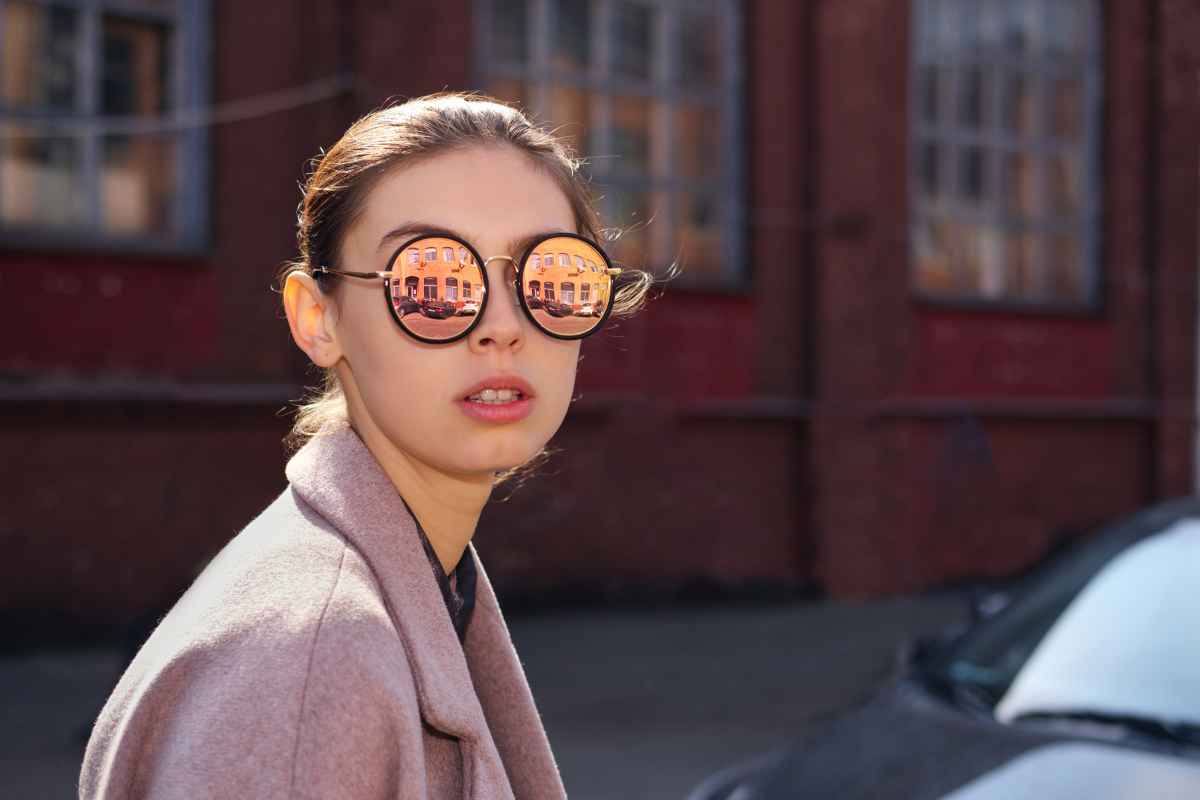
{"points": [[569, 274], [439, 272]]}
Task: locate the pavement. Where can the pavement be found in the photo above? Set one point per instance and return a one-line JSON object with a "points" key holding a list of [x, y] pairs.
{"points": [[637, 703]]}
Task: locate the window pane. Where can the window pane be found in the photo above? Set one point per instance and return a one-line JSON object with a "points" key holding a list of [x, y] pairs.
{"points": [[41, 182], [512, 90], [1066, 109], [570, 113], [1024, 29], [946, 31], [632, 49], [1066, 268], [1018, 105], [1065, 184], [933, 84], [1020, 170], [991, 26], [972, 185], [1021, 252], [960, 258], [631, 135], [137, 184], [38, 56], [700, 50], [1065, 32], [646, 230], [931, 261], [698, 129], [134, 71], [700, 240], [975, 97], [571, 41], [153, 6], [510, 27], [930, 169]]}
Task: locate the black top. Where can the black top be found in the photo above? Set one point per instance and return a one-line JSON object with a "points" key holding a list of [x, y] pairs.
{"points": [[458, 588]]}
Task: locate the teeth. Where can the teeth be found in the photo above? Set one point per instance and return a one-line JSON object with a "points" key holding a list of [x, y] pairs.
{"points": [[495, 396]]}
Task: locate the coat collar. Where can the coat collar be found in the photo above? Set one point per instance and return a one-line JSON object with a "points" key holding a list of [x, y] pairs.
{"points": [[475, 690]]}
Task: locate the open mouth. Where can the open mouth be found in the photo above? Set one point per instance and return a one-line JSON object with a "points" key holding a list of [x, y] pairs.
{"points": [[496, 396]]}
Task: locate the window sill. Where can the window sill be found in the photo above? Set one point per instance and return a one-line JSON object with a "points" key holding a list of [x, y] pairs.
{"points": [[932, 302], [75, 242]]}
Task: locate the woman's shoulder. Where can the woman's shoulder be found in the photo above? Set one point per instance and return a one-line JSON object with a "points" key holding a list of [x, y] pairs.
{"points": [[285, 623], [274, 582]]}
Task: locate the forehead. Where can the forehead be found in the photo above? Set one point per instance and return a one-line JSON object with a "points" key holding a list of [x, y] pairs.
{"points": [[491, 194]]}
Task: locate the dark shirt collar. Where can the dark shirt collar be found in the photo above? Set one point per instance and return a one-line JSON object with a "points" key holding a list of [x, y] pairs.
{"points": [[459, 603]]}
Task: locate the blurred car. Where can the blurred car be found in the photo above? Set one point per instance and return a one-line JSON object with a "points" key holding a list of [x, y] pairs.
{"points": [[533, 301], [406, 305], [1080, 681], [437, 309], [557, 309], [467, 308], [586, 310]]}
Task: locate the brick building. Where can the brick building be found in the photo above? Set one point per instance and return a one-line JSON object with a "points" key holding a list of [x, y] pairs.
{"points": [[937, 315]]}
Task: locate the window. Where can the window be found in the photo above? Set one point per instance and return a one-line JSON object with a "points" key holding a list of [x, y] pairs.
{"points": [[564, 259], [548, 290], [448, 255], [536, 262], [650, 93], [1004, 172], [431, 254], [462, 255], [451, 288], [414, 256], [466, 290], [585, 292], [431, 292], [568, 292], [85, 156]]}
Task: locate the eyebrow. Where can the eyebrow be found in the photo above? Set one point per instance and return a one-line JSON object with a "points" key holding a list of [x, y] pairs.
{"points": [[407, 229]]}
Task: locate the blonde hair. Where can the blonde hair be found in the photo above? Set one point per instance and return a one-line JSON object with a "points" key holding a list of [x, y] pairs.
{"points": [[400, 134]]}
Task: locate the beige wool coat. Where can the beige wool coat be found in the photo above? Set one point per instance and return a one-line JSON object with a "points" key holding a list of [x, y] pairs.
{"points": [[314, 658]]}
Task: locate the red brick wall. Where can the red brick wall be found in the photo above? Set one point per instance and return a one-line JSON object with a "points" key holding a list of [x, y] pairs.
{"points": [[817, 424]]}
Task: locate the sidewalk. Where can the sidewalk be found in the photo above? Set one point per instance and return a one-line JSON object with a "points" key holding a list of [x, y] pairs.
{"points": [[637, 704]]}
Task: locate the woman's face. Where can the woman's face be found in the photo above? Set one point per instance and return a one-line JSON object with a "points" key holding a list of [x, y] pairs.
{"points": [[414, 392]]}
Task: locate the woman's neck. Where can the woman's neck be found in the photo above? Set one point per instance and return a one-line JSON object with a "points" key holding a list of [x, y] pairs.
{"points": [[447, 507]]}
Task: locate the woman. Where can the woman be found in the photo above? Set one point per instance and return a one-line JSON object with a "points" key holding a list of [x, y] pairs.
{"points": [[347, 642]]}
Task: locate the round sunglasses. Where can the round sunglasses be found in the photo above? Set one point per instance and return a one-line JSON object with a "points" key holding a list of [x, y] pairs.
{"points": [[436, 286]]}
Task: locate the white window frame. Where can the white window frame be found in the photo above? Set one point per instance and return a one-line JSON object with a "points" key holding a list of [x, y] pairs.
{"points": [[189, 53], [725, 187], [995, 139]]}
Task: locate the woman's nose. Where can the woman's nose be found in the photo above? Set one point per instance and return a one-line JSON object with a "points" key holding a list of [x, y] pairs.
{"points": [[502, 318]]}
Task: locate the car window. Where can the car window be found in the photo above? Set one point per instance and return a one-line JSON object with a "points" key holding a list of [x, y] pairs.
{"points": [[990, 655]]}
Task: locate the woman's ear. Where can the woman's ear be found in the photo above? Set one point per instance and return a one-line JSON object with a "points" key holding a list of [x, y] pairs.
{"points": [[312, 318]]}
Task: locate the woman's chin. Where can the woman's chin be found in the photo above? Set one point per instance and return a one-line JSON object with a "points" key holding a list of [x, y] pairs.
{"points": [[488, 464]]}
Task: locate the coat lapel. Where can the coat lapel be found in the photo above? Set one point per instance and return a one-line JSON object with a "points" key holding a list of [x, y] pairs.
{"points": [[507, 701], [338, 477]]}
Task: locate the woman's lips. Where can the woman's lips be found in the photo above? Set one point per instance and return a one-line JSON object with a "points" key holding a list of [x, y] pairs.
{"points": [[512, 411]]}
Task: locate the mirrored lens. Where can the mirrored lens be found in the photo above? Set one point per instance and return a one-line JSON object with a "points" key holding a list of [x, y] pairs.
{"points": [[567, 285], [437, 288]]}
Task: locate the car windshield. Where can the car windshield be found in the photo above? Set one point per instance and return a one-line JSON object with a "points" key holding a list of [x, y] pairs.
{"points": [[1128, 646], [987, 660]]}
